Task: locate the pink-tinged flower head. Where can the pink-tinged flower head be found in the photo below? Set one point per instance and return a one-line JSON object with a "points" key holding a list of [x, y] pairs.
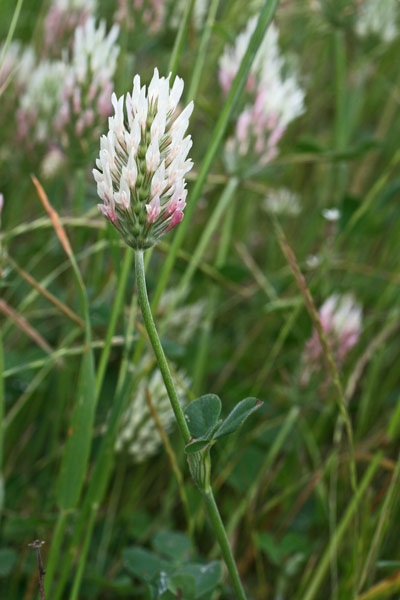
{"points": [[341, 320], [63, 18], [143, 161], [275, 99], [87, 87]]}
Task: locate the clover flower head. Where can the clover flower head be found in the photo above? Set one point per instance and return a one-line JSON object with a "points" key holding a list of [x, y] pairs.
{"points": [[282, 202], [341, 320], [61, 21], [377, 17], [138, 432], [88, 84], [17, 65], [40, 101], [268, 58], [275, 95], [143, 161]]}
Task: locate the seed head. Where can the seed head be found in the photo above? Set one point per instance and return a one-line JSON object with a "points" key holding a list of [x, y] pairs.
{"points": [[143, 161]]}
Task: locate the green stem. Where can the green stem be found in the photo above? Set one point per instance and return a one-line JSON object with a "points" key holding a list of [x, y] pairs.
{"points": [[219, 530], [11, 30], [116, 308], [180, 39], [206, 490], [202, 51], [56, 541], [83, 554], [322, 567], [2, 402], [155, 342]]}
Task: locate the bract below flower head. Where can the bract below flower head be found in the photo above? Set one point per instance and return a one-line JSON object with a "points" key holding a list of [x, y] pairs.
{"points": [[143, 161]]}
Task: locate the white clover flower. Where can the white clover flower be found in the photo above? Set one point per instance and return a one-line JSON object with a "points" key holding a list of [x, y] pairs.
{"points": [[341, 320], [40, 101], [138, 432], [282, 202], [52, 163], [88, 85], [331, 214], [143, 161], [276, 99], [378, 17], [62, 19], [268, 60], [17, 65]]}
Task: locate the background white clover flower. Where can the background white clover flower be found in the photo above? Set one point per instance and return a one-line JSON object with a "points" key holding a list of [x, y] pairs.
{"points": [[88, 84], [268, 60], [40, 102], [138, 433], [61, 21], [17, 65], [341, 319], [275, 94], [143, 161], [282, 202], [378, 17]]}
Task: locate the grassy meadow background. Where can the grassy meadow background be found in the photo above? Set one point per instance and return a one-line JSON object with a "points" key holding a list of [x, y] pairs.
{"points": [[300, 526]]}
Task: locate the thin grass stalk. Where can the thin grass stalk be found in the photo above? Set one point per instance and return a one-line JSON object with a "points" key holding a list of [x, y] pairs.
{"points": [[93, 497], [115, 313], [11, 30], [102, 467], [273, 452], [83, 555], [63, 352], [388, 505], [202, 52], [46, 294], [203, 243], [56, 543], [115, 495], [180, 39], [2, 403], [76, 456], [204, 342], [323, 565], [102, 464], [309, 302]]}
